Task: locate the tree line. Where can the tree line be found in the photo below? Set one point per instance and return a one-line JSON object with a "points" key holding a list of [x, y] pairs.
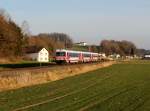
{"points": [[50, 41], [118, 47], [11, 38]]}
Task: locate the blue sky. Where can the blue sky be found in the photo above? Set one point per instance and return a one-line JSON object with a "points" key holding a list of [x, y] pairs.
{"points": [[86, 20]]}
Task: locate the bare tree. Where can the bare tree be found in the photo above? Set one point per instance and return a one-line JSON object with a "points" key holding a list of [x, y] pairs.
{"points": [[26, 29], [5, 15]]}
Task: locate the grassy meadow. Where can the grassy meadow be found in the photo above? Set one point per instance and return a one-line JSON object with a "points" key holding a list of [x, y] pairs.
{"points": [[121, 87]]}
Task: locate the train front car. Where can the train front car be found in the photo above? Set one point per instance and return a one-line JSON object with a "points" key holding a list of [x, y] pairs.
{"points": [[61, 56], [68, 56]]}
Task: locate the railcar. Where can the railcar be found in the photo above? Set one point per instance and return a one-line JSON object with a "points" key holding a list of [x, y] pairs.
{"points": [[69, 56], [95, 57]]}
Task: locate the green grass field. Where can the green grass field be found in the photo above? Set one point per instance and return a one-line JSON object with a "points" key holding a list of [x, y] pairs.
{"points": [[121, 87]]}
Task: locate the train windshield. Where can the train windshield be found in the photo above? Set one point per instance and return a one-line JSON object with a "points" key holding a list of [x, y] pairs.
{"points": [[60, 53]]}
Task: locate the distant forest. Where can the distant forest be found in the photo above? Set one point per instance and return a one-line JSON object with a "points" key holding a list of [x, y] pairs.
{"points": [[17, 40]]}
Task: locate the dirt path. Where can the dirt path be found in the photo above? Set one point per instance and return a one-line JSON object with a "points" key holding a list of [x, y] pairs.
{"points": [[21, 78]]}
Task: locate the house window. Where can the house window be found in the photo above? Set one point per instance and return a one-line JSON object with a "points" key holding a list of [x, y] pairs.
{"points": [[45, 58], [45, 53], [41, 58]]}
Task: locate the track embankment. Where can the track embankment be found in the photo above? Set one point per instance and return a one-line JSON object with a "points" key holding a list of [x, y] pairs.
{"points": [[21, 78]]}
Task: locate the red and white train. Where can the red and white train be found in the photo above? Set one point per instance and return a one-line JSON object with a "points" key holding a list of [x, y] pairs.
{"points": [[69, 56]]}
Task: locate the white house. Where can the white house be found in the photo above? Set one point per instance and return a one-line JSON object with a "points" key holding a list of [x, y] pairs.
{"points": [[115, 56], [147, 56], [82, 44], [102, 55], [40, 55]]}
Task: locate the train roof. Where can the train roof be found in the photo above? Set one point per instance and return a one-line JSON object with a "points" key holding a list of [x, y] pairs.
{"points": [[64, 50]]}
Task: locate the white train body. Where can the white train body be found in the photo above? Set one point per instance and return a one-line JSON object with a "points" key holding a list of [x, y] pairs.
{"points": [[70, 56]]}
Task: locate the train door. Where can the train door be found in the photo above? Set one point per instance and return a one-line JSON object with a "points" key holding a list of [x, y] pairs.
{"points": [[90, 57], [67, 57], [80, 57]]}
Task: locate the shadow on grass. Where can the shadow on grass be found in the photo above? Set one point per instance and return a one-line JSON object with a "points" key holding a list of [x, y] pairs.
{"points": [[25, 65]]}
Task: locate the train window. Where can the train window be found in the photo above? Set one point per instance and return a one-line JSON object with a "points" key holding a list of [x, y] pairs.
{"points": [[87, 55], [95, 55], [60, 53], [74, 54]]}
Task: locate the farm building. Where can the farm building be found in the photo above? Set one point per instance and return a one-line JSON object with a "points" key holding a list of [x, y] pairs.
{"points": [[102, 55], [40, 55], [147, 56], [115, 56]]}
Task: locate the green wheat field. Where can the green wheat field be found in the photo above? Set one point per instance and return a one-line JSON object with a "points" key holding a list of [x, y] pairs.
{"points": [[122, 87]]}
